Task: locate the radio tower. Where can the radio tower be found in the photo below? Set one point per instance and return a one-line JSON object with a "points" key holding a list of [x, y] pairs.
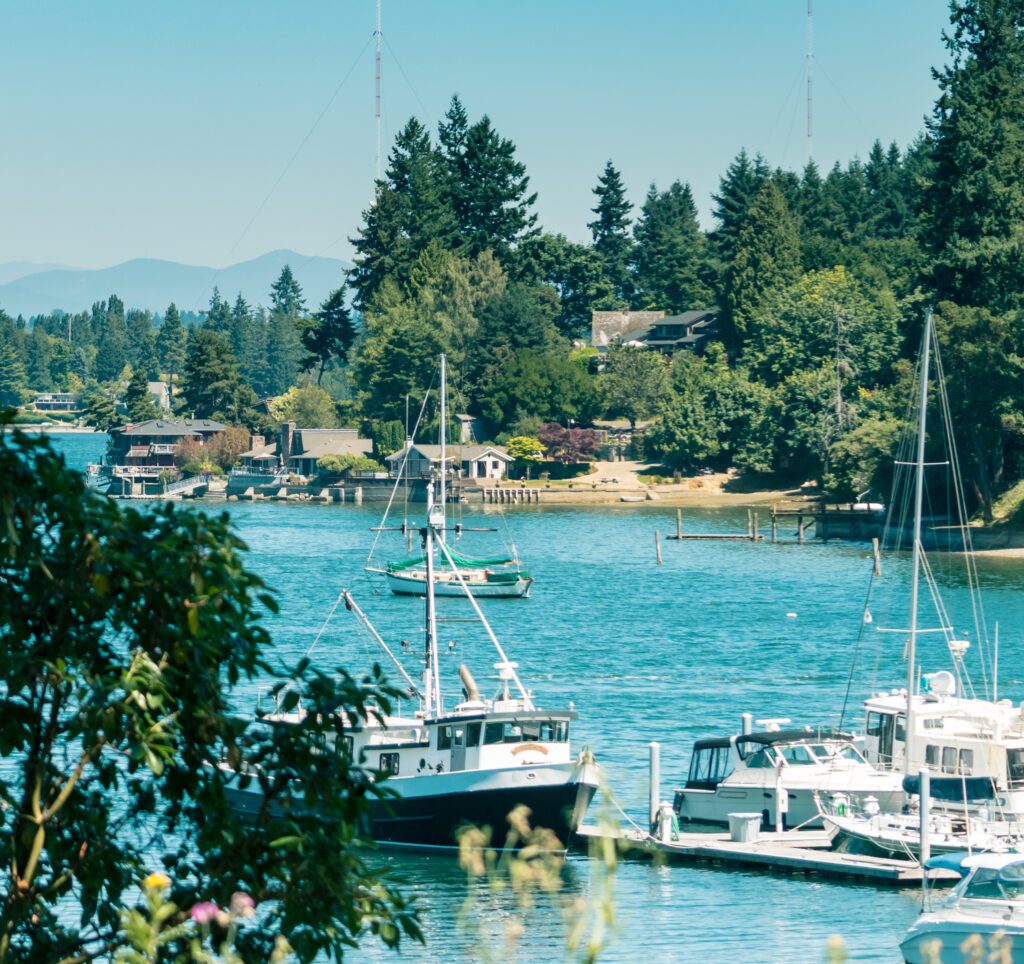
{"points": [[376, 183], [810, 62]]}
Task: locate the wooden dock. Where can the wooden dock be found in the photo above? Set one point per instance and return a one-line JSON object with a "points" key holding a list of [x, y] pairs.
{"points": [[794, 851]]}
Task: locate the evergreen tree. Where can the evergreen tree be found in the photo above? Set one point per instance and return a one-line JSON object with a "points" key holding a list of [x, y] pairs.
{"points": [[100, 410], [138, 400], [286, 296], [211, 386], [13, 387], [218, 316], [574, 272], [111, 339], [610, 231], [241, 330], [975, 201], [412, 208], [329, 334], [634, 383], [671, 256], [766, 256], [39, 353], [488, 186], [170, 344], [736, 193]]}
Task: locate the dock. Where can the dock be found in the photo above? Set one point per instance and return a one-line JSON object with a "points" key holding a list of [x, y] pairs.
{"points": [[793, 851]]}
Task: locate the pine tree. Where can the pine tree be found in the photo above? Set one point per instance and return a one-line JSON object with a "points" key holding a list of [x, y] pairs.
{"points": [[286, 296], [737, 190], [767, 256], [13, 388], [488, 186], [211, 386], [975, 202], [610, 231], [329, 334], [112, 339], [671, 253], [138, 399], [170, 344]]}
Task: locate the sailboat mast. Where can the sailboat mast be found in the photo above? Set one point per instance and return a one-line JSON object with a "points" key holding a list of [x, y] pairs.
{"points": [[444, 417], [432, 675], [915, 578]]}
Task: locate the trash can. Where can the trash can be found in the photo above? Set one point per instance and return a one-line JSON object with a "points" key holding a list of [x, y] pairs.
{"points": [[744, 827]]}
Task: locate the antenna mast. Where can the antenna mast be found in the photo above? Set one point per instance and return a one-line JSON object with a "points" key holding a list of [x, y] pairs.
{"points": [[810, 61], [377, 181]]}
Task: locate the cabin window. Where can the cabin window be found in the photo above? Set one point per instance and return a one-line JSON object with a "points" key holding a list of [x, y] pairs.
{"points": [[1015, 766], [949, 759], [389, 763], [931, 755], [966, 762], [444, 737], [932, 722], [984, 884], [901, 729], [874, 727], [562, 731], [473, 734], [503, 733]]}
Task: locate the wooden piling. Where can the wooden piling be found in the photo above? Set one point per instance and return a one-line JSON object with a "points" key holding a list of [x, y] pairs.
{"points": [[754, 533], [775, 526], [878, 557], [799, 528], [750, 524], [679, 523], [657, 545]]}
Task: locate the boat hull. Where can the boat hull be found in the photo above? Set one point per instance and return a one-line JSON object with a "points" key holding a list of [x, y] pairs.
{"points": [[404, 585], [952, 933], [432, 810]]}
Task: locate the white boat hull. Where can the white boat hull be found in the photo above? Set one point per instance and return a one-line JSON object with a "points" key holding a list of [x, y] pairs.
{"points": [[404, 584], [953, 933]]}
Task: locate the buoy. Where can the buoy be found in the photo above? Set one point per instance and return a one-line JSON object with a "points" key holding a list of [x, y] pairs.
{"points": [[791, 615]]}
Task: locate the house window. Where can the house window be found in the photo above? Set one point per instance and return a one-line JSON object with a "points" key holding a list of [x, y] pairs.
{"points": [[389, 763]]}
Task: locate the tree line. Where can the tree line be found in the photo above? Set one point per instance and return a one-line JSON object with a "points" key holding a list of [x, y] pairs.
{"points": [[821, 281]]}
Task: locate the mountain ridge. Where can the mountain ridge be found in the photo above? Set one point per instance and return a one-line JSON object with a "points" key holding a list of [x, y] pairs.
{"points": [[152, 283]]}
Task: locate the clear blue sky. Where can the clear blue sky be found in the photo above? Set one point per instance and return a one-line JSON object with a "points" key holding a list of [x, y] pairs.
{"points": [[204, 131]]}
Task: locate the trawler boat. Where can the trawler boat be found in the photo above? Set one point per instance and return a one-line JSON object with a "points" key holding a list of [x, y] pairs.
{"points": [[986, 908], [777, 773], [470, 763]]}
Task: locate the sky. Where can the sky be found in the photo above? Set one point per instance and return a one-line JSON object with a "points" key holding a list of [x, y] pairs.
{"points": [[213, 131]]}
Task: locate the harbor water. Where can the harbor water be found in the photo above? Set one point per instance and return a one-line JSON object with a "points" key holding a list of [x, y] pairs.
{"points": [[645, 652]]}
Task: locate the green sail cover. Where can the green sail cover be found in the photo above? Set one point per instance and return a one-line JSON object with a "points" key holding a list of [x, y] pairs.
{"points": [[463, 562]]}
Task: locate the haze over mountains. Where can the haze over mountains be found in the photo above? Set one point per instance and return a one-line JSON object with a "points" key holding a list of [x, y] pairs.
{"points": [[28, 289]]}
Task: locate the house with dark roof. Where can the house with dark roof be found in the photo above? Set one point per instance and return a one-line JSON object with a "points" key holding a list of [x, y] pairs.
{"points": [[468, 461], [298, 449], [691, 330]]}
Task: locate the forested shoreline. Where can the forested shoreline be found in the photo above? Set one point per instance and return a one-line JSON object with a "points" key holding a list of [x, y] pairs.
{"points": [[821, 278]]}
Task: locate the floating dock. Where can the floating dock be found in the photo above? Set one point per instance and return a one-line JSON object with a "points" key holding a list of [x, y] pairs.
{"points": [[793, 851]]}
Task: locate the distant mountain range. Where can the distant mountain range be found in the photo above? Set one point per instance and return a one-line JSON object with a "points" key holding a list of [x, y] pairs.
{"points": [[34, 289]]}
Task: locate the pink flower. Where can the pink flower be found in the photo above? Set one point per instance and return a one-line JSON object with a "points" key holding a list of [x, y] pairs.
{"points": [[204, 913]]}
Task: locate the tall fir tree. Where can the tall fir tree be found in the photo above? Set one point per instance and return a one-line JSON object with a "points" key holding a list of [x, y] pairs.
{"points": [[329, 334], [211, 385], [975, 202], [137, 399], [766, 256], [671, 253], [286, 297], [737, 190], [170, 344], [610, 231]]}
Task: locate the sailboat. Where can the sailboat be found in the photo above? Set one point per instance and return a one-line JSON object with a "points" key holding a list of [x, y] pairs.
{"points": [[469, 763], [451, 573], [939, 726]]}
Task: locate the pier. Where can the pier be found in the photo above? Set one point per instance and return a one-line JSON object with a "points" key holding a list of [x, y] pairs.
{"points": [[512, 496], [793, 851]]}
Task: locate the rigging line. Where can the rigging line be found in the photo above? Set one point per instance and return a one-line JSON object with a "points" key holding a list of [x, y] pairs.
{"points": [[401, 473], [316, 640], [856, 646], [401, 69], [288, 166]]}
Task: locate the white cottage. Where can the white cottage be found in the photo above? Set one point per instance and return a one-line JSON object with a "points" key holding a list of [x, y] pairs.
{"points": [[468, 461]]}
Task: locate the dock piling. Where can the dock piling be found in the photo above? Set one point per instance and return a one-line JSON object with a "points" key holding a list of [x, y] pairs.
{"points": [[679, 523], [754, 536], [750, 524], [657, 545], [878, 557], [775, 526], [654, 787]]}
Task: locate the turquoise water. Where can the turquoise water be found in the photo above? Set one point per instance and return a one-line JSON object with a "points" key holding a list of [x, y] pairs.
{"points": [[645, 652]]}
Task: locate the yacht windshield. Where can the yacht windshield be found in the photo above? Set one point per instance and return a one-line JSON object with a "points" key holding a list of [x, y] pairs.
{"points": [[987, 883], [799, 755], [837, 751]]}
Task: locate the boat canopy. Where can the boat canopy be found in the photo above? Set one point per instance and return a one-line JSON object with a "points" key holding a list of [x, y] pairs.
{"points": [[954, 789], [747, 743], [464, 562]]}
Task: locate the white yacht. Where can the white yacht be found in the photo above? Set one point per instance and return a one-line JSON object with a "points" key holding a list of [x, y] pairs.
{"points": [[777, 773], [983, 916], [472, 762]]}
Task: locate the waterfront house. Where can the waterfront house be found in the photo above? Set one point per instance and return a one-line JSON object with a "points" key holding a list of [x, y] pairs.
{"points": [[652, 329], [57, 402], [297, 450], [469, 461]]}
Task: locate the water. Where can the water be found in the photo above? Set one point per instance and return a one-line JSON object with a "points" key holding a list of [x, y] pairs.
{"points": [[670, 653]]}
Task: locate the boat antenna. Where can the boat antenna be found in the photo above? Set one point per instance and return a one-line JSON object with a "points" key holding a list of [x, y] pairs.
{"points": [[432, 675], [376, 186], [444, 464], [350, 605], [916, 569]]}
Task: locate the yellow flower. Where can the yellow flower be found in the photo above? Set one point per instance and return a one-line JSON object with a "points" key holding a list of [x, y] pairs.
{"points": [[157, 879]]}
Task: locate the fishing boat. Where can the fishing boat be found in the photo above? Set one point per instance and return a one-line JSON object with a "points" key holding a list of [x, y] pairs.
{"points": [[777, 773], [472, 762], [982, 916], [451, 573], [936, 721]]}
